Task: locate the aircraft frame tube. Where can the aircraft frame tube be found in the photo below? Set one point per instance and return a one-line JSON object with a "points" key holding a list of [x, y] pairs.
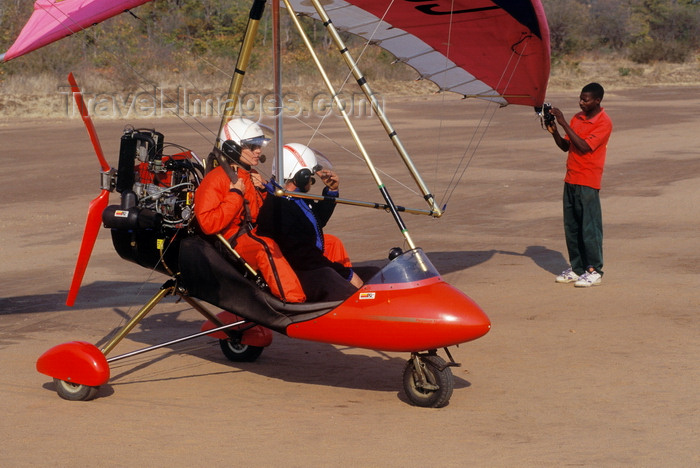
{"points": [[364, 86], [251, 31], [224, 327], [351, 127], [347, 201], [277, 87], [166, 289]]}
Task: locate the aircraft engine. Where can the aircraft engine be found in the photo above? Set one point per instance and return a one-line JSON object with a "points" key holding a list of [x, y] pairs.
{"points": [[157, 198]]}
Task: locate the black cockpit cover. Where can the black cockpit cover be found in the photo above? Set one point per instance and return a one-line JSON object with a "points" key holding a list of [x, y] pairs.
{"points": [[208, 276]]}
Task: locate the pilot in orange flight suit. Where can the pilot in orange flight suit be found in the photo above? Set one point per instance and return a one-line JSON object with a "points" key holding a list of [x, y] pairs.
{"points": [[231, 209]]}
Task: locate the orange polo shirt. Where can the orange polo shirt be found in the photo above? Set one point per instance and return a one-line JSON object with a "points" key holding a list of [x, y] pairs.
{"points": [[587, 168]]}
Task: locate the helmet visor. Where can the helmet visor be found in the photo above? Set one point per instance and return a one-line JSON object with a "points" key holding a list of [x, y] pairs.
{"points": [[322, 162], [255, 142]]}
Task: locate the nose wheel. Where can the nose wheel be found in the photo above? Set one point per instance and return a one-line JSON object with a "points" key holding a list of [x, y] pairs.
{"points": [[428, 380]]}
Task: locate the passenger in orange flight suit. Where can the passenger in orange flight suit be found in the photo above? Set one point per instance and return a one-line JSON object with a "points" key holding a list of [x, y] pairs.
{"points": [[231, 209]]}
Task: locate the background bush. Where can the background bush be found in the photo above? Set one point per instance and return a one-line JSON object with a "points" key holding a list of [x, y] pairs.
{"points": [[198, 40], [641, 30]]}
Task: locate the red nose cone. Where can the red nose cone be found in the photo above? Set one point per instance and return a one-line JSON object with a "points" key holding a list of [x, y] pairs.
{"points": [[77, 362], [429, 315]]}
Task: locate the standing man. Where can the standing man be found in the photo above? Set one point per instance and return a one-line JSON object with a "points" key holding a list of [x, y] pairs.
{"points": [[586, 140]]}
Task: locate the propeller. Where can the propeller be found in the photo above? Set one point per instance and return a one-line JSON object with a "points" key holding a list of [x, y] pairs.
{"points": [[97, 206]]}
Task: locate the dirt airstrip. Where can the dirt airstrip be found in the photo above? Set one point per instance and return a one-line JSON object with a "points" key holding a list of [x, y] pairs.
{"points": [[606, 376]]}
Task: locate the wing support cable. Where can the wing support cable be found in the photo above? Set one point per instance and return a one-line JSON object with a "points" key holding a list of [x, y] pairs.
{"points": [[351, 128], [59, 15], [364, 86], [452, 185]]}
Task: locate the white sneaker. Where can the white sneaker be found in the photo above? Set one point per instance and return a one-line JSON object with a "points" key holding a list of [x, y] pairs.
{"points": [[567, 276], [588, 279]]}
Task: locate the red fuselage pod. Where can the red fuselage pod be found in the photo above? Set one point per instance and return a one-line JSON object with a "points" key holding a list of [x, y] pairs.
{"points": [[405, 307]]}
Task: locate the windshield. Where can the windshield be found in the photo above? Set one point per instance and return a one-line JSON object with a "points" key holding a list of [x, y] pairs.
{"points": [[408, 267]]}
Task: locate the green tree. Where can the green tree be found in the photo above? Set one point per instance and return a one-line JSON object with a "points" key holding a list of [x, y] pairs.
{"points": [[670, 30], [568, 23], [610, 23]]}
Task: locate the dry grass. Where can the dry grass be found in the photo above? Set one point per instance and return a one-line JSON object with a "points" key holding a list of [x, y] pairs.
{"points": [[622, 73], [46, 95]]}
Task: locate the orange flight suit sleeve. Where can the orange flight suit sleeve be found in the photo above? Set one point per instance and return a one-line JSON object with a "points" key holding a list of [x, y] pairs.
{"points": [[216, 207]]}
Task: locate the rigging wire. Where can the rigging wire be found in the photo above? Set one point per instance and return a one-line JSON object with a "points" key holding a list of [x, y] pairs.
{"points": [[457, 175], [316, 130], [207, 133], [92, 39], [344, 83], [436, 171], [450, 187], [479, 131], [470, 151], [355, 155]]}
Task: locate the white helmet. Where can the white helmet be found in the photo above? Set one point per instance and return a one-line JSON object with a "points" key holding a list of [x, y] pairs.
{"points": [[300, 163], [244, 132], [296, 157]]}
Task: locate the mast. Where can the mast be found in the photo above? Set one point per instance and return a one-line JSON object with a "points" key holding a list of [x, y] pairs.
{"points": [[256, 12], [277, 88]]}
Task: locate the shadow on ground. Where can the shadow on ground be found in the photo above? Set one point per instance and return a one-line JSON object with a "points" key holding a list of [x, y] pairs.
{"points": [[128, 294], [448, 262]]}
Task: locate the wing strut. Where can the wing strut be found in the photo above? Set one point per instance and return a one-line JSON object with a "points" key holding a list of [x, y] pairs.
{"points": [[382, 188], [216, 156], [364, 85], [256, 12]]}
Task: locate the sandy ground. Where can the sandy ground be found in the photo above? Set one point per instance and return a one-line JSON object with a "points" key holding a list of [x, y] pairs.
{"points": [[606, 376]]}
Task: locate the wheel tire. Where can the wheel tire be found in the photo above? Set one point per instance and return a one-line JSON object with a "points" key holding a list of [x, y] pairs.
{"points": [[75, 392], [238, 352], [444, 380]]}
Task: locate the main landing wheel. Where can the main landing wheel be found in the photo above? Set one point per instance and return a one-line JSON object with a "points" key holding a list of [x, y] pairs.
{"points": [[75, 392], [430, 385], [238, 352]]}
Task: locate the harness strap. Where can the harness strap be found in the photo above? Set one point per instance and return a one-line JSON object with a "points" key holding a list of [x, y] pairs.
{"points": [[275, 273], [246, 227]]}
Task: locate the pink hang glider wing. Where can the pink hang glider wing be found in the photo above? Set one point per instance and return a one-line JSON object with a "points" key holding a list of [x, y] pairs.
{"points": [[491, 49], [55, 19]]}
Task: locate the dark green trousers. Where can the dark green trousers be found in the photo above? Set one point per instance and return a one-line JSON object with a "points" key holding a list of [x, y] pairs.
{"points": [[583, 227]]}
